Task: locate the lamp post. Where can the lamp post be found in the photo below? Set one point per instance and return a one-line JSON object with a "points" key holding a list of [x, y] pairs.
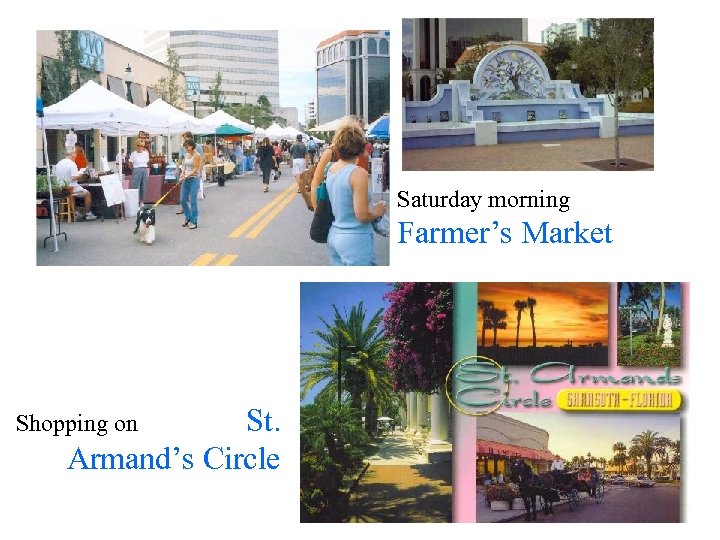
{"points": [[573, 67], [341, 347], [194, 98], [128, 82], [244, 95]]}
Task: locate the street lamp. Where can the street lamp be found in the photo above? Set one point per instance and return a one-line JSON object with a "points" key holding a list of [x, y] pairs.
{"points": [[244, 94], [194, 98], [128, 82], [573, 67], [341, 347]]}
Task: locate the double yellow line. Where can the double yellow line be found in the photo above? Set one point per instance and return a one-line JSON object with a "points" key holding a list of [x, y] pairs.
{"points": [[260, 219], [206, 259]]}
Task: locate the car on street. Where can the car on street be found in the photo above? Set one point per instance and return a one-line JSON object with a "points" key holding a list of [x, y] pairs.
{"points": [[618, 479], [644, 481]]}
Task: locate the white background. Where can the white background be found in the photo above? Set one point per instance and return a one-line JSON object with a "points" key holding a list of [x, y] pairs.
{"points": [[189, 360]]}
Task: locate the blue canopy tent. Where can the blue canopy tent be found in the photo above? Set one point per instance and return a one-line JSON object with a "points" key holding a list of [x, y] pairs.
{"points": [[379, 129]]}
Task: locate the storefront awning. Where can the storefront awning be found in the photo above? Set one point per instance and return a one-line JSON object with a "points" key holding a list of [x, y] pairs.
{"points": [[116, 86], [512, 451]]}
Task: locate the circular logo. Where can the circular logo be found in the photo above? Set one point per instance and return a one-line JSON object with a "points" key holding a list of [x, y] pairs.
{"points": [[476, 385]]}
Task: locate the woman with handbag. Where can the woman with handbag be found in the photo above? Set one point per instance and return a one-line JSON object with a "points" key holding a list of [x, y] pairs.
{"points": [[350, 240], [267, 161]]}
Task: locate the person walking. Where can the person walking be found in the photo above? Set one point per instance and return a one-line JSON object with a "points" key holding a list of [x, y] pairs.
{"points": [[266, 160], [351, 238], [140, 159], [298, 152], [190, 179]]}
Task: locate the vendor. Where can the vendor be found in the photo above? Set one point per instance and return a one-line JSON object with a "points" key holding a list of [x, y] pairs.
{"points": [[67, 172], [140, 159]]}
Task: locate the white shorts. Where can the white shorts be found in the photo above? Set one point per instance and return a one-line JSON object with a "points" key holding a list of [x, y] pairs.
{"points": [[299, 166]]}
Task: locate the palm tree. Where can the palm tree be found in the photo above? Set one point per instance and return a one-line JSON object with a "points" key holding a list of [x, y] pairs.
{"points": [[531, 302], [634, 454], [619, 448], [646, 443], [520, 306], [675, 461], [484, 307], [365, 376], [602, 461], [497, 317]]}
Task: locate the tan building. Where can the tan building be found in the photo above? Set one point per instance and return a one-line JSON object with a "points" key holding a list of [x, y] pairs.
{"points": [[106, 62], [501, 439]]}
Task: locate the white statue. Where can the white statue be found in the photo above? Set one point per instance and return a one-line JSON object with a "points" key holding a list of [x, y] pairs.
{"points": [[667, 327]]}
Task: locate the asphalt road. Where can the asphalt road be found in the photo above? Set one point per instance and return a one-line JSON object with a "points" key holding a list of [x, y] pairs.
{"points": [[623, 504], [238, 225]]}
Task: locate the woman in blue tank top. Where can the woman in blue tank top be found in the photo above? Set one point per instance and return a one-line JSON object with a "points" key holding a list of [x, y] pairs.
{"points": [[190, 178], [350, 241]]}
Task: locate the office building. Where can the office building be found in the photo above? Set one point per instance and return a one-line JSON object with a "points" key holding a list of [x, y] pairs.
{"points": [[353, 75], [571, 30], [247, 60]]}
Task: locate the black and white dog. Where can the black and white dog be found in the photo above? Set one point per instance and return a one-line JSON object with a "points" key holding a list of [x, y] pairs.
{"points": [[145, 222]]}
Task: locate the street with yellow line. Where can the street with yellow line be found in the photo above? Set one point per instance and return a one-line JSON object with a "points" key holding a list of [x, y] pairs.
{"points": [[238, 225]]}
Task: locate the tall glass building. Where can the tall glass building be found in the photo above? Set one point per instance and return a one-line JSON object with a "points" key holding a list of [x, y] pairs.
{"points": [[247, 60], [429, 45], [353, 75]]}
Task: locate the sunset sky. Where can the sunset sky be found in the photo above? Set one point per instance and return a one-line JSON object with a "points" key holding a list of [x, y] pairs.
{"points": [[574, 311]]}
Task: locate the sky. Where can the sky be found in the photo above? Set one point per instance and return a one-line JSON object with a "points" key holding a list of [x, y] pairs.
{"points": [[577, 434], [317, 300], [296, 55], [575, 311], [672, 295]]}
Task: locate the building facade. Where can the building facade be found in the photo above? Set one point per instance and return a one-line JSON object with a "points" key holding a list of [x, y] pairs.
{"points": [[353, 75], [248, 61], [501, 439], [106, 62], [572, 30], [310, 112], [431, 45]]}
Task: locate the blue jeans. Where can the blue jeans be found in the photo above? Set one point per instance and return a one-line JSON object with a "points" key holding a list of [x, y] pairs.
{"points": [[351, 249], [188, 198]]}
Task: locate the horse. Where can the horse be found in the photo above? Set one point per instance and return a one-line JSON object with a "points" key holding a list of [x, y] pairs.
{"points": [[530, 487]]}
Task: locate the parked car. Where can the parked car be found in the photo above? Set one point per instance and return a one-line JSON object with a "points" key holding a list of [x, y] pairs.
{"points": [[618, 479], [643, 481]]}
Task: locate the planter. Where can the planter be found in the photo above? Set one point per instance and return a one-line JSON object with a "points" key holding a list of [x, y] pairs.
{"points": [[518, 503], [500, 505]]}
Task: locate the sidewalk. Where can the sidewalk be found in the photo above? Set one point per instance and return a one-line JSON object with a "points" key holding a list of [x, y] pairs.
{"points": [[485, 515], [400, 486], [566, 155]]}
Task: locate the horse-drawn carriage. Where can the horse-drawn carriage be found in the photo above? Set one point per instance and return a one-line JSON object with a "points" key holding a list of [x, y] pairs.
{"points": [[567, 485], [555, 486]]}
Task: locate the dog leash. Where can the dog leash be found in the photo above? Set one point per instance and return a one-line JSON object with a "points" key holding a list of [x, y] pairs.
{"points": [[163, 197]]}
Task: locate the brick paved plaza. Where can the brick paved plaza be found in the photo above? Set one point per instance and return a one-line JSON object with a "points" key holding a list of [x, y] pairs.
{"points": [[567, 155]]}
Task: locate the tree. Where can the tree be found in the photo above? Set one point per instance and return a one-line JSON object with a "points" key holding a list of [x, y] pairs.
{"points": [[520, 306], [365, 376], [497, 317], [484, 307], [473, 55], [675, 448], [646, 444], [531, 302], [62, 75], [556, 52], [418, 323], [169, 87], [621, 52], [259, 114], [619, 448], [216, 95]]}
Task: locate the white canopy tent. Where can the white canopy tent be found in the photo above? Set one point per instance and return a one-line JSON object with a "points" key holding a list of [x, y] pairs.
{"points": [[93, 107], [275, 131], [292, 133], [178, 121], [219, 118], [329, 126]]}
